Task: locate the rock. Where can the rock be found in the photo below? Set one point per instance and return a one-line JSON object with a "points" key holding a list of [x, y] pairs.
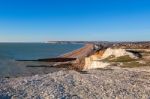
{"points": [[95, 84], [118, 53], [94, 62], [141, 62]]}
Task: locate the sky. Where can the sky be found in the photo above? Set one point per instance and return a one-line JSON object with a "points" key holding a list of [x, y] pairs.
{"points": [[74, 20]]}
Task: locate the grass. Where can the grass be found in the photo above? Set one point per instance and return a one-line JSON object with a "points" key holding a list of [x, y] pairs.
{"points": [[142, 52], [135, 64], [132, 64], [108, 59], [146, 54], [127, 61], [119, 59], [123, 59]]}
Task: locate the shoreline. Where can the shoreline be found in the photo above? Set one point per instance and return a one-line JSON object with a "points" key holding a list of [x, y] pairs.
{"points": [[64, 61], [69, 56], [113, 82], [42, 66], [86, 49], [73, 60]]}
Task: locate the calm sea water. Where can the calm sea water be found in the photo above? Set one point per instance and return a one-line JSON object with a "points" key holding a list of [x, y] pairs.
{"points": [[10, 52]]}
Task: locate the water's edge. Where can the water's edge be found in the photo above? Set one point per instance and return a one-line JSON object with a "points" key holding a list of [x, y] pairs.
{"points": [[28, 68]]}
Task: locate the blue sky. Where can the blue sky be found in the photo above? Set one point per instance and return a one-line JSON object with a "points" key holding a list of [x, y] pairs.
{"points": [[46, 20]]}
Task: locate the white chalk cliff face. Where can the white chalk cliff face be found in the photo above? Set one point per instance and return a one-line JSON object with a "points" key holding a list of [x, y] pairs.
{"points": [[117, 53], [95, 61], [96, 64]]}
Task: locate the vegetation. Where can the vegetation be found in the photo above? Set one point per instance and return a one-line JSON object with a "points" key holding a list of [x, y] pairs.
{"points": [[123, 59], [119, 59], [127, 61], [132, 64], [135, 64], [108, 59]]}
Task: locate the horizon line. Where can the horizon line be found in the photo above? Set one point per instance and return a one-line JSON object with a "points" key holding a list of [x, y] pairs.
{"points": [[72, 41]]}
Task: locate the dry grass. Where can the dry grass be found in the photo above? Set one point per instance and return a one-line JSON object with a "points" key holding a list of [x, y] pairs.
{"points": [[123, 59], [135, 64], [142, 51], [119, 59], [132, 64], [108, 59]]}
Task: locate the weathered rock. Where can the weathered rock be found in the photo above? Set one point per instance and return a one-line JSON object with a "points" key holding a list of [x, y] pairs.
{"points": [[118, 53], [93, 62], [96, 64]]}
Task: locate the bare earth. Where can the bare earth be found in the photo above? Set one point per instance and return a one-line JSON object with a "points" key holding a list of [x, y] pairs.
{"points": [[93, 84]]}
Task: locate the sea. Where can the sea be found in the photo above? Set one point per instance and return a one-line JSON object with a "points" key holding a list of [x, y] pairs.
{"points": [[11, 52]]}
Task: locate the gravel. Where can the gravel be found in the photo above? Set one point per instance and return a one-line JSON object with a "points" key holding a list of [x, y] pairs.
{"points": [[69, 84]]}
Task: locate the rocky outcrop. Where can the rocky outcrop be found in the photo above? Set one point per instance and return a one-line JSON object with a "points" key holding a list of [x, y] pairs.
{"points": [[93, 62], [96, 60], [118, 53]]}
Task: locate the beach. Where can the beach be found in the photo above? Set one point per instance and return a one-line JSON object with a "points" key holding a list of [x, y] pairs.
{"points": [[92, 84], [10, 53], [115, 81]]}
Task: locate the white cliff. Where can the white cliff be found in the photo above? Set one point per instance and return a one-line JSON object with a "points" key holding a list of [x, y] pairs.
{"points": [[118, 53]]}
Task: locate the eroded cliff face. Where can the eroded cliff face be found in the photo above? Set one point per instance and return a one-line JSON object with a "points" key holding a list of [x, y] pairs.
{"points": [[93, 61], [118, 53], [93, 64], [96, 60]]}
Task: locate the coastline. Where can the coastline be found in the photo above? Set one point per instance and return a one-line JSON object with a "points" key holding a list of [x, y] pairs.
{"points": [[79, 53], [11, 53], [111, 82], [69, 56]]}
